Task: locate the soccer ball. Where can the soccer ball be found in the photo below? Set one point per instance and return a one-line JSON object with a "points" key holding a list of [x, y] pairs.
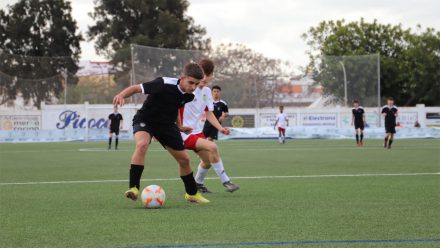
{"points": [[153, 196]]}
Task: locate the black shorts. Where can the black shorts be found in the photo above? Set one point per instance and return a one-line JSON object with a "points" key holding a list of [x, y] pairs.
{"points": [[210, 132], [390, 128], [167, 135], [359, 126], [114, 130]]}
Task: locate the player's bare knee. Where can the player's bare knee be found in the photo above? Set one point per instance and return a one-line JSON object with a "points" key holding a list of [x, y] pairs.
{"points": [[142, 146], [213, 148], [183, 160]]}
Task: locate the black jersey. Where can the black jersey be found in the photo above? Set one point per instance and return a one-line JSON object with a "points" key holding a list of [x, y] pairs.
{"points": [[358, 114], [163, 101], [115, 120], [220, 107], [390, 117]]}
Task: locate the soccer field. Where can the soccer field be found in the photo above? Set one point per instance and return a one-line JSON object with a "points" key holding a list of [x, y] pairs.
{"points": [[306, 193]]}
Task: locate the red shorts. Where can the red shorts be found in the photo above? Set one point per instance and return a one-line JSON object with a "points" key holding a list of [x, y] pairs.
{"points": [[190, 142], [281, 129]]}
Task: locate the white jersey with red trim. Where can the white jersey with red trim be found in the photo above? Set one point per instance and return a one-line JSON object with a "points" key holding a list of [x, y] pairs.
{"points": [[282, 120], [191, 113]]}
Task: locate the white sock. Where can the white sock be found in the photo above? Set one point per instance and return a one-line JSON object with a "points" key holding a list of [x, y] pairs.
{"points": [[220, 170], [201, 174], [280, 139]]}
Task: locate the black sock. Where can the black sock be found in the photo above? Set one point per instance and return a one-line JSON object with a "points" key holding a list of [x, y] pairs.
{"points": [[390, 142], [110, 142], [362, 137], [190, 184], [357, 138], [135, 175], [116, 143]]}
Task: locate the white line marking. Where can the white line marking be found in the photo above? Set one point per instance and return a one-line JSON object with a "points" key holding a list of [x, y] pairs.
{"points": [[213, 178]]}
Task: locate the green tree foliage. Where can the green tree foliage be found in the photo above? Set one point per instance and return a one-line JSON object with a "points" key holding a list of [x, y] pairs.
{"points": [[156, 23], [410, 61], [38, 40]]}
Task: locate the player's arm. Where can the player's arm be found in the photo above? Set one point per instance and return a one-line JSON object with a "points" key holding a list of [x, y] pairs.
{"points": [[183, 129], [152, 87], [287, 121], [384, 112], [119, 99], [225, 113], [352, 119], [215, 123], [364, 118], [275, 125], [223, 117]]}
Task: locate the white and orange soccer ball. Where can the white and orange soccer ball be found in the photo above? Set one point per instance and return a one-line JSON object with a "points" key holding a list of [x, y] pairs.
{"points": [[153, 196]]}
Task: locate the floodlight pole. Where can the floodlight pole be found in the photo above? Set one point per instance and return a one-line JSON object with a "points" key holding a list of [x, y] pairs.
{"points": [[378, 89], [345, 83], [132, 74], [65, 86]]}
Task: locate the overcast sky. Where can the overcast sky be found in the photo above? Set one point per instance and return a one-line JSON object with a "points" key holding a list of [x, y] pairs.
{"points": [[274, 27]]}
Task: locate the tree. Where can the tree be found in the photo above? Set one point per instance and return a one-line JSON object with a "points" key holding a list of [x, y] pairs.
{"points": [[144, 22], [38, 40], [409, 60]]}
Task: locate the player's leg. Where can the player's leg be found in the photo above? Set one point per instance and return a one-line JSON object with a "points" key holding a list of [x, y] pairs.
{"points": [[202, 171], [211, 148], [280, 140], [385, 142], [186, 174], [362, 136], [390, 140], [142, 139], [357, 136], [109, 140], [283, 135], [116, 139]]}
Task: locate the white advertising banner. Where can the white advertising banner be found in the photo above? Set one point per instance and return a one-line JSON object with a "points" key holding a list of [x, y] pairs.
{"points": [[20, 122], [268, 119], [407, 119], [319, 119], [78, 117]]}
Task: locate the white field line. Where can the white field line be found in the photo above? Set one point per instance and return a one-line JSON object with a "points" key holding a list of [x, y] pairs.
{"points": [[212, 178], [227, 149]]}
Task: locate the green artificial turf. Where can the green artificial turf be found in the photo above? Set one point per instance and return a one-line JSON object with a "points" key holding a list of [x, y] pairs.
{"points": [[82, 204]]}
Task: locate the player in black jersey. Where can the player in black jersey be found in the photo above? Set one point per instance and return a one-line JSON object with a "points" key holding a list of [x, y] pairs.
{"points": [[157, 118], [220, 112], [390, 113], [358, 120], [115, 125]]}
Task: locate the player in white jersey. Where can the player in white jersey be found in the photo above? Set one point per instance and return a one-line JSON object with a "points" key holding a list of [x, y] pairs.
{"points": [[192, 133], [282, 123]]}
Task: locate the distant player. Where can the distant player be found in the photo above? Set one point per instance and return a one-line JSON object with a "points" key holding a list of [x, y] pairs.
{"points": [[194, 139], [220, 111], [157, 118], [115, 125], [358, 120], [390, 113], [282, 123]]}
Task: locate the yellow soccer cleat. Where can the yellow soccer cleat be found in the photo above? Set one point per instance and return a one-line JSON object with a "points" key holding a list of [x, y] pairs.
{"points": [[197, 198], [132, 193]]}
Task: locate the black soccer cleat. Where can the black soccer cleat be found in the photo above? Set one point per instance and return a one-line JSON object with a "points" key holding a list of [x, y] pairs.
{"points": [[230, 187], [202, 188]]}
